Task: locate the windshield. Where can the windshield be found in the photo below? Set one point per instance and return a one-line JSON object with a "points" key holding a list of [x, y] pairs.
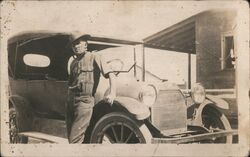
{"points": [[169, 65], [160, 65]]}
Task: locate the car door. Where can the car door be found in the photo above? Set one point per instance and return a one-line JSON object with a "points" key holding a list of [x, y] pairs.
{"points": [[42, 63]]}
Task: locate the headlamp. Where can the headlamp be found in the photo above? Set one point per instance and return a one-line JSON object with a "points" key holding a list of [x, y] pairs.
{"points": [[148, 95], [198, 93]]}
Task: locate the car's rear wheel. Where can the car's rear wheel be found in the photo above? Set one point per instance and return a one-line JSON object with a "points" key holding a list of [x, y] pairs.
{"points": [[13, 128], [215, 121], [119, 127]]}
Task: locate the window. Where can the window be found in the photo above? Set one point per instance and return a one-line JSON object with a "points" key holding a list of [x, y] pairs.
{"points": [[228, 53], [32, 66], [36, 60]]}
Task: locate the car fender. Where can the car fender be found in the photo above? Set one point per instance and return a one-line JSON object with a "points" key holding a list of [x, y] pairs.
{"points": [[127, 92], [23, 110], [218, 102], [136, 108], [212, 101]]}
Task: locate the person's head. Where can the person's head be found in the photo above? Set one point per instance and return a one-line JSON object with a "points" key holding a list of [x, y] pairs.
{"points": [[80, 46], [79, 42]]}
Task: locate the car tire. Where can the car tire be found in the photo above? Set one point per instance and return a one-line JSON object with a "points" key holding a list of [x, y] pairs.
{"points": [[214, 121], [13, 128], [118, 127]]}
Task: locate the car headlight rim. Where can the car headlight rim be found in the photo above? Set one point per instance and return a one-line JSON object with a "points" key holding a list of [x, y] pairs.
{"points": [[148, 95], [198, 93]]}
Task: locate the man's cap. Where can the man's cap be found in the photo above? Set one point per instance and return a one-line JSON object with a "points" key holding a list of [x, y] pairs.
{"points": [[76, 37]]}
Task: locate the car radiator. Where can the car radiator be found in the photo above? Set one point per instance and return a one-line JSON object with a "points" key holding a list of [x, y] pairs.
{"points": [[169, 113]]}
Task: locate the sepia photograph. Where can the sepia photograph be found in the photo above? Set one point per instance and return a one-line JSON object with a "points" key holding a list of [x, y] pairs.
{"points": [[124, 78]]}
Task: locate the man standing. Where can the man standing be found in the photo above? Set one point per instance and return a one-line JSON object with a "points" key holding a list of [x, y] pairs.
{"points": [[84, 77]]}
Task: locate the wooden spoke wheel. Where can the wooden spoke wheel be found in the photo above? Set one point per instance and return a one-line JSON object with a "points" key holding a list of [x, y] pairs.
{"points": [[120, 128], [215, 122]]}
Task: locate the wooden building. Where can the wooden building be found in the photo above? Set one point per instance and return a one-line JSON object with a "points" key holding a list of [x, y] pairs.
{"points": [[209, 35]]}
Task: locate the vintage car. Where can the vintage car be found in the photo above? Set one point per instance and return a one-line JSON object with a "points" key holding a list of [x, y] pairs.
{"points": [[143, 111]]}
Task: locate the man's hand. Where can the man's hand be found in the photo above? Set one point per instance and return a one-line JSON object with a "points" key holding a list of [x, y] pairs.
{"points": [[112, 91], [77, 87], [110, 98]]}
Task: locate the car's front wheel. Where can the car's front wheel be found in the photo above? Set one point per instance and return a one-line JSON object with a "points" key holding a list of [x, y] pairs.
{"points": [[215, 121], [117, 127]]}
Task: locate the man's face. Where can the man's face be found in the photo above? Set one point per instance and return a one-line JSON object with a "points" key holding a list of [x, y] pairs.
{"points": [[80, 47]]}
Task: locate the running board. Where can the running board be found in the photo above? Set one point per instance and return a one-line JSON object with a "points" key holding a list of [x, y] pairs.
{"points": [[176, 140], [44, 137], [194, 138]]}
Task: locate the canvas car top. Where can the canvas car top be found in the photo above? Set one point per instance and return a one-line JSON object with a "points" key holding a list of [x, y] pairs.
{"points": [[33, 35], [53, 45]]}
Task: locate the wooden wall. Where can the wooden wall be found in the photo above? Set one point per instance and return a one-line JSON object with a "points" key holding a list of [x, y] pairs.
{"points": [[209, 28]]}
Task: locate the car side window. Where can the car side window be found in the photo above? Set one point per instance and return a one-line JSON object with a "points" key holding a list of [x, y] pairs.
{"points": [[36, 60], [32, 65]]}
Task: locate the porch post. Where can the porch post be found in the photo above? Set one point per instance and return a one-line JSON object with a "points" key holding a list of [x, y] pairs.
{"points": [[189, 70], [143, 62], [135, 64]]}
